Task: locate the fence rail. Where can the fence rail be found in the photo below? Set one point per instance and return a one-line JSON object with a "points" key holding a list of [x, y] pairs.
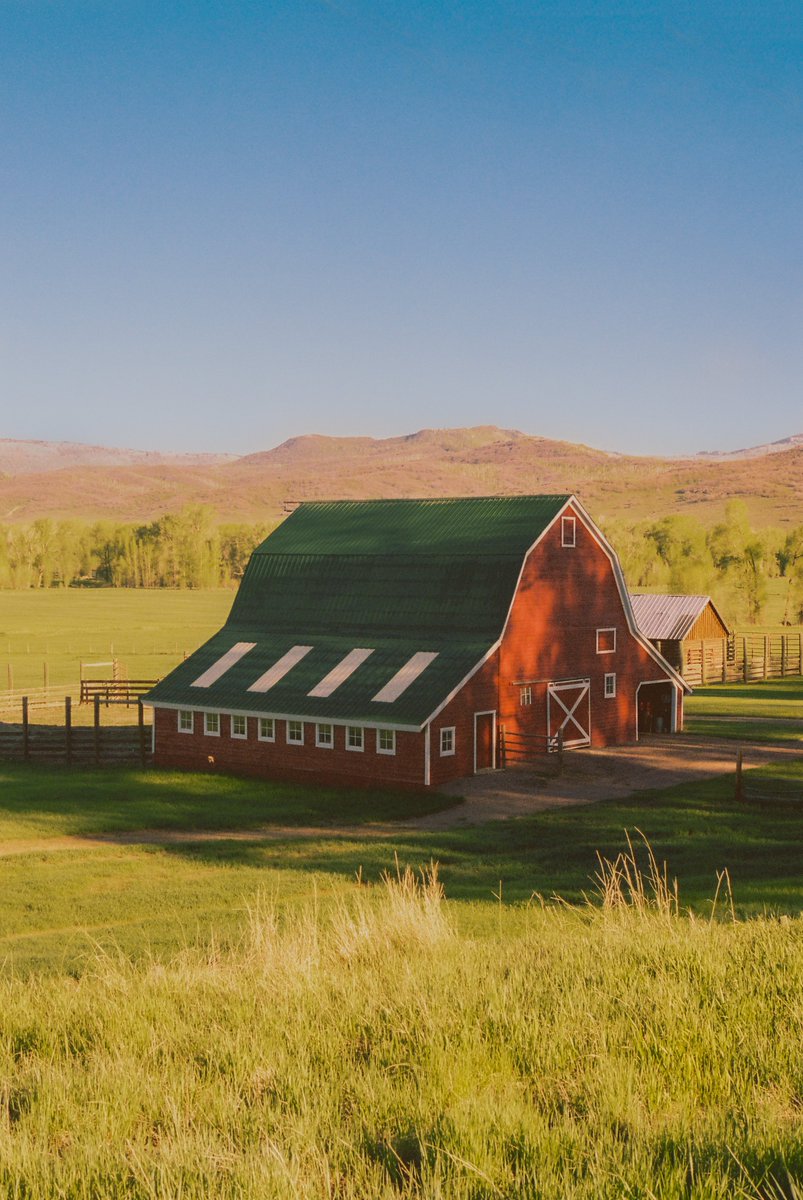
{"points": [[515, 747], [115, 691], [25, 741], [743, 658], [42, 697]]}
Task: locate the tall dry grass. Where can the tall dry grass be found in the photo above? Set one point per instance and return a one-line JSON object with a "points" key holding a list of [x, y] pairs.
{"points": [[370, 1048]]}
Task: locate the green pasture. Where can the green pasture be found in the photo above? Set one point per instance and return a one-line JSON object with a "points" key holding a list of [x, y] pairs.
{"points": [[109, 895], [147, 631], [768, 711]]}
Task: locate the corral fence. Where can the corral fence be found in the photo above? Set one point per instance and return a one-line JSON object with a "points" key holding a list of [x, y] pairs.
{"points": [[24, 740], [114, 691], [514, 747], [743, 658]]}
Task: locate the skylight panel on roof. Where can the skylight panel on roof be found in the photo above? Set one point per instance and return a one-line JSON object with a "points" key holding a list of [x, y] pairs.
{"points": [[279, 669], [339, 674], [405, 676], [223, 664]]}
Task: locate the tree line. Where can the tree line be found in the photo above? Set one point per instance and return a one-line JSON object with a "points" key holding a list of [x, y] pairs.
{"points": [[730, 560], [187, 549]]}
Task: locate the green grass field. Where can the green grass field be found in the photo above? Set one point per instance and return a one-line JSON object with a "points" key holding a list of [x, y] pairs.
{"points": [[148, 631], [768, 711], [255, 1016]]}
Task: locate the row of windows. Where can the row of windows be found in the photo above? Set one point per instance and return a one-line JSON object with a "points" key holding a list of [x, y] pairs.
{"points": [[294, 732], [526, 692]]}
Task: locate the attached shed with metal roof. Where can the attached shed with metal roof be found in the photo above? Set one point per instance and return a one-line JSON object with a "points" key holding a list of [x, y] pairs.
{"points": [[689, 632], [404, 642]]}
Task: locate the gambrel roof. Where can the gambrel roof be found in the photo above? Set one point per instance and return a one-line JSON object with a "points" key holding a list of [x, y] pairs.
{"points": [[670, 618], [371, 612]]}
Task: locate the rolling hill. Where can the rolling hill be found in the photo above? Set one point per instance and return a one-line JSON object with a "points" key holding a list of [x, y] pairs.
{"points": [[90, 483]]}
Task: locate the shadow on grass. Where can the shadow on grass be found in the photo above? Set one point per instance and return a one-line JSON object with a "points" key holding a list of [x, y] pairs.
{"points": [[699, 829], [47, 801]]}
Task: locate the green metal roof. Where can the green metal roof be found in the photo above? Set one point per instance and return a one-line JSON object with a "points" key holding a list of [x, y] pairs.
{"points": [[398, 577]]}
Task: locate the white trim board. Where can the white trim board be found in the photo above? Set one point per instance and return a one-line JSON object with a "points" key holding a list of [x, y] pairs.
{"points": [[280, 716]]}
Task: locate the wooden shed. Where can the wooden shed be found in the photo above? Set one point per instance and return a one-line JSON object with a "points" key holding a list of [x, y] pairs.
{"points": [[688, 631], [404, 642]]}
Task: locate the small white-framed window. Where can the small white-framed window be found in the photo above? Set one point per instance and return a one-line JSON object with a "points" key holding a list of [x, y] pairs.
{"points": [[568, 531], [239, 727], [447, 741], [610, 685], [386, 741], [186, 720], [606, 641], [295, 733], [266, 731], [212, 724], [525, 696], [355, 737], [325, 736]]}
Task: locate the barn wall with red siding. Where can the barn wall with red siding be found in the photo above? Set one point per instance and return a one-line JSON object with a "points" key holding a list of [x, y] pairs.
{"points": [[480, 694], [281, 760], [566, 594]]}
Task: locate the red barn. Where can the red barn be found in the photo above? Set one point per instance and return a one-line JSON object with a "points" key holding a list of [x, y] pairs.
{"points": [[388, 642]]}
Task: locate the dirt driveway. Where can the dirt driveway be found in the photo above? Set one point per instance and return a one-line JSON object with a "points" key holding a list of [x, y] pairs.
{"points": [[592, 775]]}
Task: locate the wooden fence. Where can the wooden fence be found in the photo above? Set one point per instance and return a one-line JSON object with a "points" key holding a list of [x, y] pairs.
{"points": [[743, 658], [115, 691], [23, 740], [514, 747]]}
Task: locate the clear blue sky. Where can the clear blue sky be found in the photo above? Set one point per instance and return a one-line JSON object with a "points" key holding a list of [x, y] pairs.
{"points": [[224, 224]]}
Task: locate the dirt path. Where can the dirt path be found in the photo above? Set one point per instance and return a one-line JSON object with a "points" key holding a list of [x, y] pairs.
{"points": [[588, 776]]}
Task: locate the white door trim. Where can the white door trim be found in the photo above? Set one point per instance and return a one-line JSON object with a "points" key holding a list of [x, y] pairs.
{"points": [[487, 712]]}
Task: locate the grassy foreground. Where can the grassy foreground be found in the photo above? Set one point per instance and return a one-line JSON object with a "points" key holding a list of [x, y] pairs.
{"points": [[372, 1050]]}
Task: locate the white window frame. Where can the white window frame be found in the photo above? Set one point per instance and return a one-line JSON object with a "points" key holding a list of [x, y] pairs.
{"points": [[451, 730], [185, 712], [211, 732], [610, 629], [238, 717], [525, 696], [292, 741], [380, 749], [609, 687], [264, 737], [568, 525], [350, 729], [324, 745]]}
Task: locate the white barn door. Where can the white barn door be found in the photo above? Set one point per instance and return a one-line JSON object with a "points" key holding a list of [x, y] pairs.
{"points": [[569, 712]]}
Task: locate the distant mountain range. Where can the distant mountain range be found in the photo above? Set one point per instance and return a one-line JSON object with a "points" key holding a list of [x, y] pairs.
{"points": [[60, 479]]}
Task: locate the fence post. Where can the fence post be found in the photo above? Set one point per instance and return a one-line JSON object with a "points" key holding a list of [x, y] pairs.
{"points": [[141, 721], [783, 655], [560, 751], [10, 674], [739, 793], [68, 728], [26, 749], [766, 655], [746, 668], [703, 679], [45, 677], [97, 730]]}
